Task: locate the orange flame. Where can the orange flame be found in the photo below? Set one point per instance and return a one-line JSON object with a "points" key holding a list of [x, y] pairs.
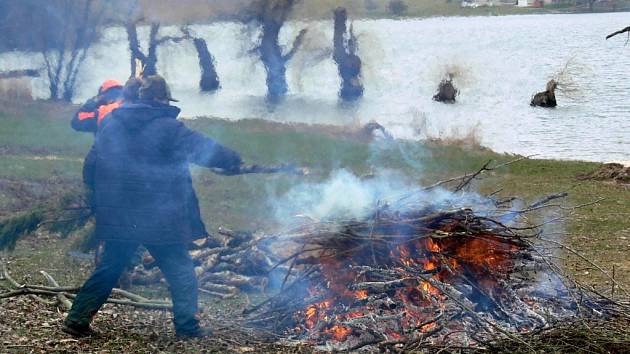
{"points": [[339, 333], [361, 294], [429, 264], [433, 246], [354, 314], [429, 289], [393, 334], [427, 327]]}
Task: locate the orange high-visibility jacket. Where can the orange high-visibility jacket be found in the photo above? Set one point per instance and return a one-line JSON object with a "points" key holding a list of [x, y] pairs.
{"points": [[90, 116]]}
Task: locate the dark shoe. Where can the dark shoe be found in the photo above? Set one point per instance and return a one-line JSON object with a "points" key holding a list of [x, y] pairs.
{"points": [[201, 332], [78, 331]]}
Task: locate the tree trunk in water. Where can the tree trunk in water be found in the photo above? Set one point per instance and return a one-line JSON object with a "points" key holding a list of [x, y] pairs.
{"points": [[134, 47], [209, 78], [54, 91], [151, 61], [546, 98], [271, 15], [271, 56], [148, 61], [446, 92], [348, 63]]}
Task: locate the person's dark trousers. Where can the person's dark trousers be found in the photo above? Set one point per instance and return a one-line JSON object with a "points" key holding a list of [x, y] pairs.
{"points": [[174, 262]]}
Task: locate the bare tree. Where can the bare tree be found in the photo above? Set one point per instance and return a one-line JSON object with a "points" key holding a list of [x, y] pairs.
{"points": [[82, 22], [150, 59], [62, 31], [348, 62], [209, 78], [271, 15]]}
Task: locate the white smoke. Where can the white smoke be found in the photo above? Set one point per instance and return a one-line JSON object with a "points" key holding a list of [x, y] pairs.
{"points": [[345, 195]]}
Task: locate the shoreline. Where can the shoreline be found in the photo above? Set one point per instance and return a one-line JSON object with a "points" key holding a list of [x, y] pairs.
{"points": [[351, 130], [307, 11]]}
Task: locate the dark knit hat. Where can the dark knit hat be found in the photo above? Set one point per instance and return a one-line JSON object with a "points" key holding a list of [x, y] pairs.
{"points": [[131, 90], [155, 88]]}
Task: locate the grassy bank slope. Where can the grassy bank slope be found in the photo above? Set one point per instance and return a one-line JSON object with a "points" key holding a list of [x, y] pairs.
{"points": [[42, 156]]}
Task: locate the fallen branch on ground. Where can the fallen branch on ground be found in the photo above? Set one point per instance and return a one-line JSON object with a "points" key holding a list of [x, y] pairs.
{"points": [[63, 294]]}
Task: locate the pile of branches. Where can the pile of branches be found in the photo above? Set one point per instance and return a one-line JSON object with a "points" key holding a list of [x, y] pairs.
{"points": [[225, 264], [614, 172], [415, 275]]}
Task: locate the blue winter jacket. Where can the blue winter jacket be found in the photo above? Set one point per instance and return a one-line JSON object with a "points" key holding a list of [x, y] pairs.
{"points": [[139, 170]]}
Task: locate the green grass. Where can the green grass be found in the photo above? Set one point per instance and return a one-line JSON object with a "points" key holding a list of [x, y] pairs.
{"points": [[40, 128], [39, 167], [601, 232]]}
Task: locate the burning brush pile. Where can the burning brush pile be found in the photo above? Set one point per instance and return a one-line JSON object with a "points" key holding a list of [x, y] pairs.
{"points": [[415, 276]]}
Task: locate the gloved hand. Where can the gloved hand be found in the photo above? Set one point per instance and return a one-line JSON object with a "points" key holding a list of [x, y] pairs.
{"points": [[90, 105], [228, 160], [100, 100]]}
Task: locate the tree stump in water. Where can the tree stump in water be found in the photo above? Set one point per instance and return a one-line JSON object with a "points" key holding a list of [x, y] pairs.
{"points": [[209, 78], [271, 15], [546, 98], [446, 91], [348, 63]]}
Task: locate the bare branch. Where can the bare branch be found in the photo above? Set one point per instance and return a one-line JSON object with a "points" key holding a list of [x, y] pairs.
{"points": [[627, 29], [297, 42]]}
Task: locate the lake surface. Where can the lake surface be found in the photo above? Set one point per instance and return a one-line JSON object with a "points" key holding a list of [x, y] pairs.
{"points": [[499, 62]]}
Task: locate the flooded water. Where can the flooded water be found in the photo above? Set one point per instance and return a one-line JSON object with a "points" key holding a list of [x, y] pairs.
{"points": [[499, 62]]}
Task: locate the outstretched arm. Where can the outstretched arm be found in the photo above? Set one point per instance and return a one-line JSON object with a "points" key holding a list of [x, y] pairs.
{"points": [[206, 152], [85, 120]]}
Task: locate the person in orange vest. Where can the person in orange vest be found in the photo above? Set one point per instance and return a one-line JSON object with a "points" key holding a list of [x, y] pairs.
{"points": [[92, 112]]}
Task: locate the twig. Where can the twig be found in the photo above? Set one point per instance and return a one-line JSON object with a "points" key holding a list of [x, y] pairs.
{"points": [[467, 180], [130, 296], [63, 300], [143, 305], [575, 252], [439, 183], [614, 283], [217, 294], [6, 276]]}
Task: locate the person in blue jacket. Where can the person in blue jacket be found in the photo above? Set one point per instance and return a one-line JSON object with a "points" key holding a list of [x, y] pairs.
{"points": [[143, 195]]}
